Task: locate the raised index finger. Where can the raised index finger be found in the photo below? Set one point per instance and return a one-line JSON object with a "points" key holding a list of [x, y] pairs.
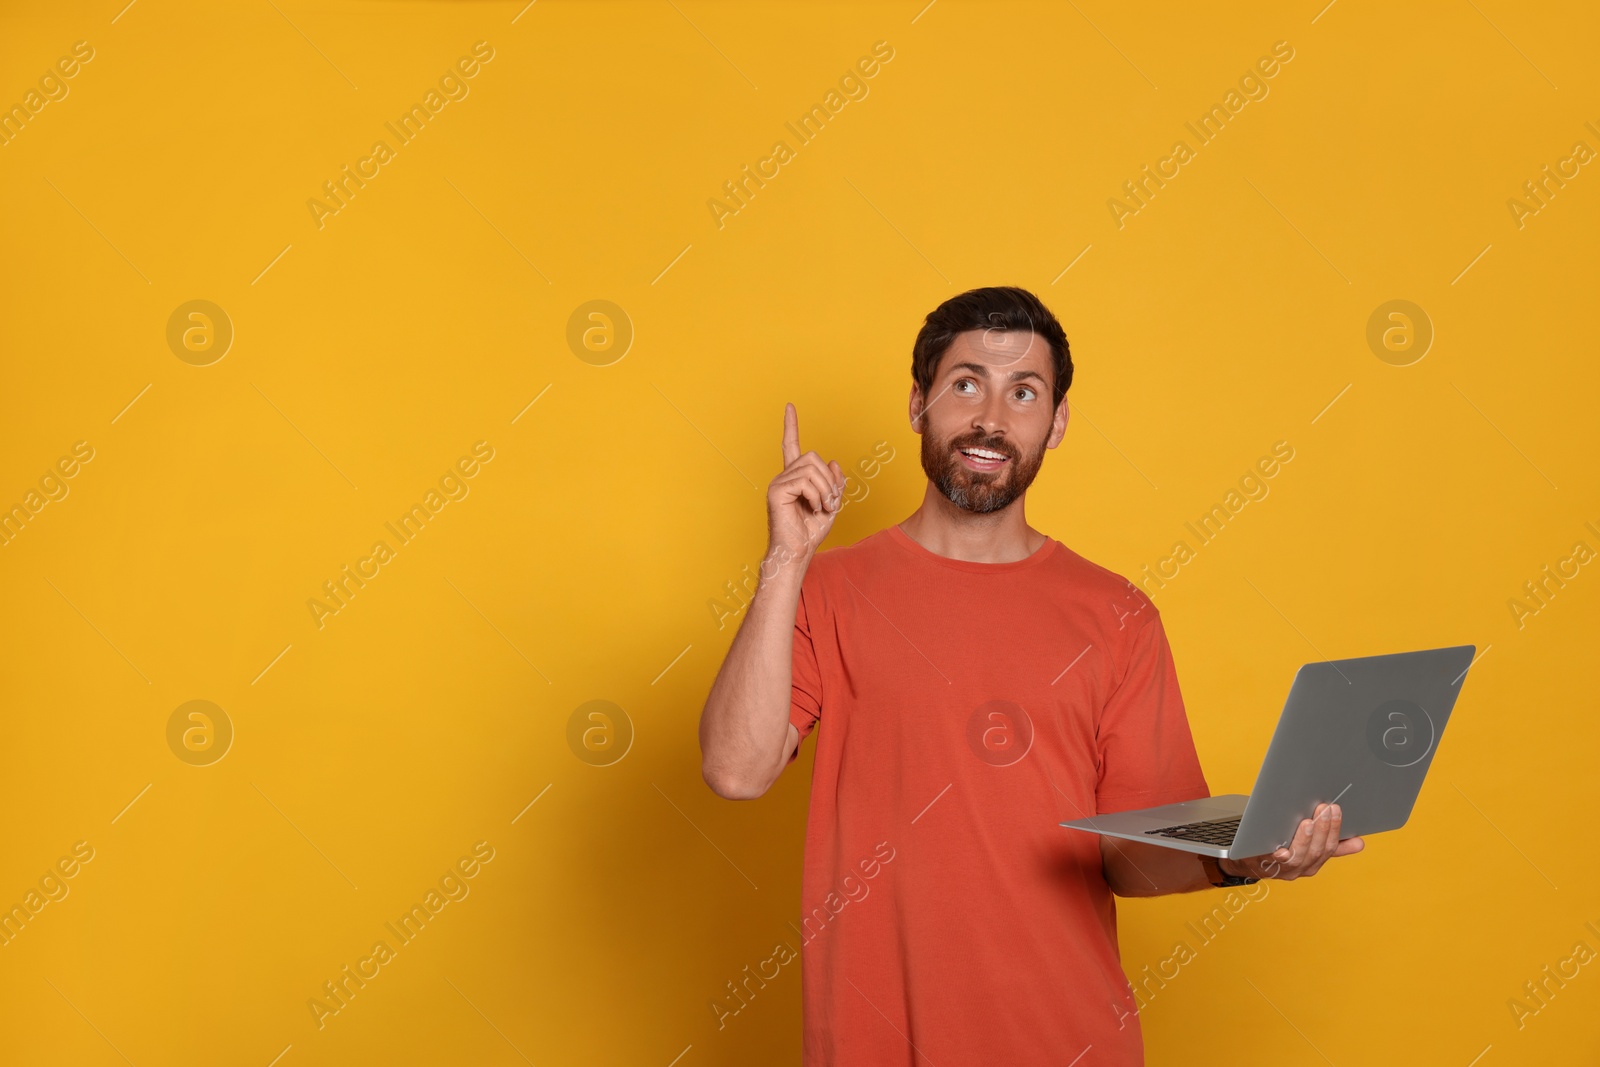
{"points": [[791, 435]]}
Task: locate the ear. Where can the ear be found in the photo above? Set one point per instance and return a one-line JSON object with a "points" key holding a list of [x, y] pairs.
{"points": [[915, 409], [1058, 425]]}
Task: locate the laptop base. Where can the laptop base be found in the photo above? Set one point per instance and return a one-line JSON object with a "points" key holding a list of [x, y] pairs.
{"points": [[1132, 825]]}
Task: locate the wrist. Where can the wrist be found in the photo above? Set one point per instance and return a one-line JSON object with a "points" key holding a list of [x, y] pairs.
{"points": [[783, 565], [1220, 872]]}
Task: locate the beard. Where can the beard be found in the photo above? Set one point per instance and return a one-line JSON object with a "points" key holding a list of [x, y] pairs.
{"points": [[980, 492]]}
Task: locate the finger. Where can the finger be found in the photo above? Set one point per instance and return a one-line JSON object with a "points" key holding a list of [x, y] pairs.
{"points": [[1350, 846], [1335, 821], [1276, 864], [830, 492], [1312, 832], [813, 462], [807, 489], [791, 434], [1321, 834], [793, 484], [828, 469], [783, 489], [831, 474], [1297, 848], [817, 490], [1301, 840], [1324, 839]]}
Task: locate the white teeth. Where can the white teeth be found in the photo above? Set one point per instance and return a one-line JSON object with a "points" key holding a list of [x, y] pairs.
{"points": [[983, 453]]}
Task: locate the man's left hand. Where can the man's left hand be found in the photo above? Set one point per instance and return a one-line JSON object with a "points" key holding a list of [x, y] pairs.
{"points": [[1315, 842]]}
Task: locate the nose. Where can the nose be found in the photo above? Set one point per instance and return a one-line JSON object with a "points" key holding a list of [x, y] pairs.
{"points": [[990, 419]]}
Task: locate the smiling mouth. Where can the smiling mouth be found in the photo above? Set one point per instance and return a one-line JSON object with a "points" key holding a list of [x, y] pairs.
{"points": [[983, 459]]}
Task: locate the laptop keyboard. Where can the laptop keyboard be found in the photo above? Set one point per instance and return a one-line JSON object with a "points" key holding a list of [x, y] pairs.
{"points": [[1212, 832]]}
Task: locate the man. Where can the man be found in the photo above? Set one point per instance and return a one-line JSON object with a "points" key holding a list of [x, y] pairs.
{"points": [[976, 683]]}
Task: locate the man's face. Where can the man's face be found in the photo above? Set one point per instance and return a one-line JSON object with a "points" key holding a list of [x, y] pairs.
{"points": [[988, 419]]}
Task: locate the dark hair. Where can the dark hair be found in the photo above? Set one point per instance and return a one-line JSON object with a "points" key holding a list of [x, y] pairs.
{"points": [[1002, 306]]}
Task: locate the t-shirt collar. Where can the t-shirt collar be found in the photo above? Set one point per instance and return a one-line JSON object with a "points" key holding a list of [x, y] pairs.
{"points": [[905, 541]]}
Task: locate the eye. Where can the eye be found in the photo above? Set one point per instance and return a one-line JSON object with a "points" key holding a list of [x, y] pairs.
{"points": [[956, 388], [1024, 393]]}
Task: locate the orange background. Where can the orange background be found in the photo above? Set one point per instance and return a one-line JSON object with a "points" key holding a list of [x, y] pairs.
{"points": [[431, 712]]}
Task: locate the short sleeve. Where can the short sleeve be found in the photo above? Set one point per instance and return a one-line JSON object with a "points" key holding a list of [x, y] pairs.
{"points": [[1145, 751], [805, 700]]}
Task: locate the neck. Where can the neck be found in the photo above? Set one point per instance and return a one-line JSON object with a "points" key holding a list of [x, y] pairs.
{"points": [[1002, 536]]}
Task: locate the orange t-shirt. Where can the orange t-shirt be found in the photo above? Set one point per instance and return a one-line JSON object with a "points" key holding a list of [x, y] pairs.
{"points": [[965, 710]]}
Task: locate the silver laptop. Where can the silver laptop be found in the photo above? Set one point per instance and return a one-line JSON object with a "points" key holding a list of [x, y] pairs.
{"points": [[1356, 732]]}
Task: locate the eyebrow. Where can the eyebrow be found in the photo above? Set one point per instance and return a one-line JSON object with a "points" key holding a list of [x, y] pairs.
{"points": [[1016, 375]]}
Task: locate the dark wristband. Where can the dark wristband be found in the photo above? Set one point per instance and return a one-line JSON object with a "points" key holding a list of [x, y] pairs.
{"points": [[1220, 878]]}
